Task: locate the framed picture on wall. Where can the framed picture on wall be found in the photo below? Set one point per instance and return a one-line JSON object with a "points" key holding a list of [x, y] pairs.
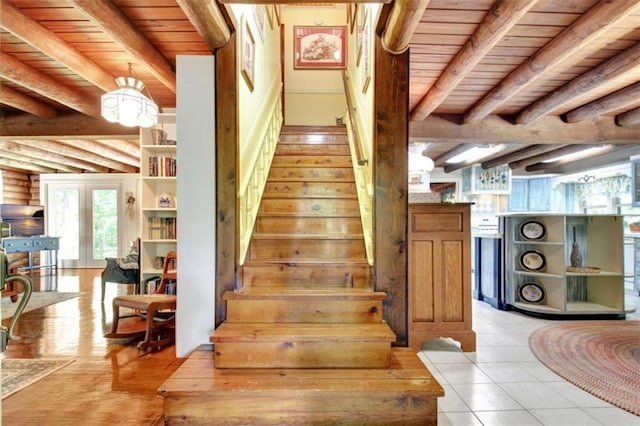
{"points": [[260, 15], [319, 47], [364, 60], [248, 54]]}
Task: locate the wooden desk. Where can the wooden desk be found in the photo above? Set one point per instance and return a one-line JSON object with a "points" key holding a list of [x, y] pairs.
{"points": [[34, 244]]}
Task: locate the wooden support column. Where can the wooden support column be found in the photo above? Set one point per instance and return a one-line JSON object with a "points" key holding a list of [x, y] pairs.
{"points": [[226, 179], [391, 135]]}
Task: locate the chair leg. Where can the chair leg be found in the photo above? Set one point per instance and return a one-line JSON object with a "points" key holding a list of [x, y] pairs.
{"points": [[103, 282], [116, 317], [153, 338]]}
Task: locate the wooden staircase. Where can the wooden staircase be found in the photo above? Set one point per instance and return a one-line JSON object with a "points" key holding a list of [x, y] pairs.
{"points": [[305, 311]]}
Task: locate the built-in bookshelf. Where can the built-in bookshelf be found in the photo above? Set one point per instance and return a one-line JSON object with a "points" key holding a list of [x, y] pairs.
{"points": [[158, 170]]}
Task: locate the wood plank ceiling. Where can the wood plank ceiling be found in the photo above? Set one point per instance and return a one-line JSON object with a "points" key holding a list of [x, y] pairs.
{"points": [[535, 78]]}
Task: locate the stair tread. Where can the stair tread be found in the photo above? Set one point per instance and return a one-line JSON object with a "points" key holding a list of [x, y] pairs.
{"points": [[198, 374], [325, 332], [306, 292], [301, 236]]}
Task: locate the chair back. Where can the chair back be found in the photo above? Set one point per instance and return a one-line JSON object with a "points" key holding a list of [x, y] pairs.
{"points": [[169, 271]]}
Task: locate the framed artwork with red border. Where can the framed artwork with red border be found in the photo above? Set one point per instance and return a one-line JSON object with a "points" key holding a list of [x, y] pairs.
{"points": [[318, 47]]}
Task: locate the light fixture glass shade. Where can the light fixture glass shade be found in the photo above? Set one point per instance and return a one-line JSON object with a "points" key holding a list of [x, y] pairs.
{"points": [[128, 106]]}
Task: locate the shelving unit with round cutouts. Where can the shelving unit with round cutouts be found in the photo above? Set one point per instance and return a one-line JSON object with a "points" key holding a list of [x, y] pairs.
{"points": [[564, 265]]}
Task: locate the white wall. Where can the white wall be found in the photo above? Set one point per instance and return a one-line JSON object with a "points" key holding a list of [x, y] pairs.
{"points": [[195, 317]]}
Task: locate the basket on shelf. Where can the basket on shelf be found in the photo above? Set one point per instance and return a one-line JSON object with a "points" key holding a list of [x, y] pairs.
{"points": [[158, 136]]}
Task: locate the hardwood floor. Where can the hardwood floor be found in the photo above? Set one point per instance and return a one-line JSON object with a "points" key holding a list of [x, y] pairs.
{"points": [[108, 383]]}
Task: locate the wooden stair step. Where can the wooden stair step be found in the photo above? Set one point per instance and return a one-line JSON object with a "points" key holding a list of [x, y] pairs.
{"points": [[305, 237], [324, 174], [310, 207], [310, 189], [355, 274], [198, 393], [307, 249], [308, 225], [293, 148], [304, 304], [302, 345], [307, 161]]}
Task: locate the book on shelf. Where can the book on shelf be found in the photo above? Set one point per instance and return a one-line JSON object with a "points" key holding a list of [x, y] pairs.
{"points": [[162, 228], [162, 166]]}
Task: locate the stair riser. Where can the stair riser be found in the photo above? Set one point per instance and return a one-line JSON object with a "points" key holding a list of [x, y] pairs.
{"points": [[308, 149], [310, 189], [308, 225], [307, 250], [304, 275], [312, 161], [310, 207], [334, 174], [302, 408], [304, 310], [302, 354]]}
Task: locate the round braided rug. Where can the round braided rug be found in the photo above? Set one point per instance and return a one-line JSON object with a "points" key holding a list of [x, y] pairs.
{"points": [[601, 357]]}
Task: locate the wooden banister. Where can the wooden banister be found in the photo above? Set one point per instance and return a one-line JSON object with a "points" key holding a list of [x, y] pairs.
{"points": [[354, 126]]}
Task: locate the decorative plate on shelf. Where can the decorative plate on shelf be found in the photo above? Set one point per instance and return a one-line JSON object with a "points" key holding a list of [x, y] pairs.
{"points": [[532, 260], [531, 292], [532, 230]]}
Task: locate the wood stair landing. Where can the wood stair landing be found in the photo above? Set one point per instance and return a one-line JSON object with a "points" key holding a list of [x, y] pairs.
{"points": [[198, 393]]}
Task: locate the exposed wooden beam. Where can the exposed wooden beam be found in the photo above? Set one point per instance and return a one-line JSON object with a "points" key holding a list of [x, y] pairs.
{"points": [[116, 25], [623, 62], [67, 125], [54, 47], [52, 156], [546, 166], [546, 130], [630, 95], [297, 2], [22, 74], [565, 150], [401, 24], [441, 160], [99, 154], [74, 157], [208, 21], [28, 155], [583, 30], [527, 152], [19, 100], [128, 147], [497, 22], [23, 165], [629, 118]]}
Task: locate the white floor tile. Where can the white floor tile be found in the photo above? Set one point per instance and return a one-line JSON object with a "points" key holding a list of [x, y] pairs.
{"points": [[451, 402], [506, 372], [462, 373], [458, 419], [564, 417], [507, 418], [532, 395], [486, 397], [576, 395], [613, 416]]}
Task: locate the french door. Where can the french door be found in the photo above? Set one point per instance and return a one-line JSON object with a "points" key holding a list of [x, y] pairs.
{"points": [[85, 217]]}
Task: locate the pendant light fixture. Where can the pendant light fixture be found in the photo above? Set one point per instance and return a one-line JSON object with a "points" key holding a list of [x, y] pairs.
{"points": [[128, 105]]}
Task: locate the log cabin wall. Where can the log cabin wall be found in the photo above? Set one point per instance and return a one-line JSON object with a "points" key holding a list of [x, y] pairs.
{"points": [[20, 188]]}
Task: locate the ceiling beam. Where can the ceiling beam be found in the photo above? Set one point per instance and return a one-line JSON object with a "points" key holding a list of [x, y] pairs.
{"points": [[573, 38], [441, 160], [19, 100], [40, 150], [536, 167], [117, 26], [565, 150], [102, 155], [23, 75], [54, 47], [504, 14], [630, 95], [527, 152], [629, 118], [28, 155], [605, 73], [402, 22], [24, 165], [67, 125], [72, 155], [208, 20], [545, 130]]}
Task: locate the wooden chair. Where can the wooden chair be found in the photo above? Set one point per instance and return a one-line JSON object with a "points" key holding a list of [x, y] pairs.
{"points": [[154, 314], [113, 273]]}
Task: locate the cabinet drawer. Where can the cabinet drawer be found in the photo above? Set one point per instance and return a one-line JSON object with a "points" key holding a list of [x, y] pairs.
{"points": [[15, 245], [437, 222], [46, 243]]}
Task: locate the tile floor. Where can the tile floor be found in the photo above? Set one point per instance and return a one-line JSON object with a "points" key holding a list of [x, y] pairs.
{"points": [[503, 383]]}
